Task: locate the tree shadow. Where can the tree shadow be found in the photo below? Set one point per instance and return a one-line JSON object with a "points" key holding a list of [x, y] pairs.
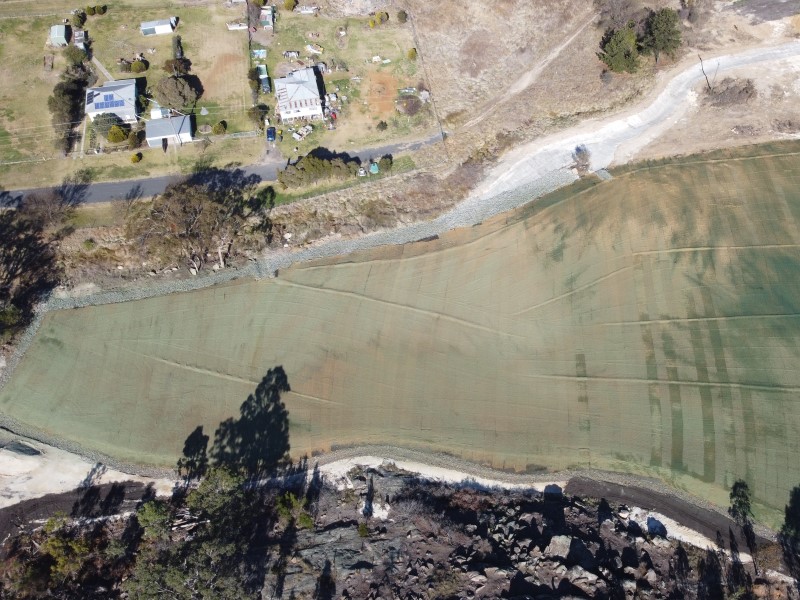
{"points": [[327, 154], [194, 462], [789, 536], [91, 502], [710, 577], [326, 584], [258, 441], [29, 270], [230, 185]]}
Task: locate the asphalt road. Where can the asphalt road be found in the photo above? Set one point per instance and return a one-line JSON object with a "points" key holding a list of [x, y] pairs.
{"points": [[267, 171]]}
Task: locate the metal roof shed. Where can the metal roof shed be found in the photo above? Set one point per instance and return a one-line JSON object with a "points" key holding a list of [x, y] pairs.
{"points": [[160, 27], [59, 35]]}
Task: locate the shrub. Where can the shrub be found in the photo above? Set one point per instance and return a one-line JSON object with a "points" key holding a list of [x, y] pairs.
{"points": [[372, 23], [138, 66], [382, 126], [382, 16], [89, 244], [402, 16], [134, 140], [219, 128], [101, 10], [412, 54], [177, 47], [90, 10], [289, 4], [363, 530], [305, 521], [74, 55], [117, 134], [136, 157], [79, 19], [619, 51]]}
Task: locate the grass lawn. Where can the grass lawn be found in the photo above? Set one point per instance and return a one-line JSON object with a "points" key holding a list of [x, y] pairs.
{"points": [[647, 324]]}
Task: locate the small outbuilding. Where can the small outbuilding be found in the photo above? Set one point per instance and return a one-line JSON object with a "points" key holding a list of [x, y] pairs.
{"points": [[160, 27], [266, 17], [59, 35], [79, 39], [173, 129]]}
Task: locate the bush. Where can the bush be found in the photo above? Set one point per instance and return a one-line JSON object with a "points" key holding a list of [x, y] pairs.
{"points": [[136, 157], [134, 140], [289, 4], [412, 54], [219, 128], [74, 55], [372, 23], [305, 521], [402, 16], [79, 19], [90, 10], [117, 134], [138, 66], [363, 530], [382, 17], [101, 10], [177, 66], [619, 51], [177, 47], [382, 126]]}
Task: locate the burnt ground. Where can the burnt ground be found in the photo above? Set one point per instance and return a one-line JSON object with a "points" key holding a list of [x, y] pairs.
{"points": [[709, 523], [767, 10], [91, 502]]}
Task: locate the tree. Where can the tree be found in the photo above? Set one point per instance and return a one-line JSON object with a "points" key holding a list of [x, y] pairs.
{"points": [[662, 33], [79, 19], [195, 218], [74, 55], [155, 519], [412, 54], [177, 66], [104, 122], [257, 114], [619, 51], [402, 16], [67, 549], [740, 509], [117, 134], [175, 92]]}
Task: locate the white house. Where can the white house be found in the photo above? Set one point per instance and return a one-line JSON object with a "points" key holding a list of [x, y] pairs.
{"points": [[174, 129], [160, 27], [115, 97], [299, 96]]}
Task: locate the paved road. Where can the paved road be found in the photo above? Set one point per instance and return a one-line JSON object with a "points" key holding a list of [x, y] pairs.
{"points": [[267, 171]]}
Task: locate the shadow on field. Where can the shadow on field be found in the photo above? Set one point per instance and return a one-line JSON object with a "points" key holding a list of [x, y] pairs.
{"points": [[28, 270], [254, 444]]}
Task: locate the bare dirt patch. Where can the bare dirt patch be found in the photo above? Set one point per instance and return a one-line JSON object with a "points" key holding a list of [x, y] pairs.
{"points": [[381, 90]]}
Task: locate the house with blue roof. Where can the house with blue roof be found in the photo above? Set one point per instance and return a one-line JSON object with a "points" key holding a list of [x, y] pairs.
{"points": [[116, 97]]}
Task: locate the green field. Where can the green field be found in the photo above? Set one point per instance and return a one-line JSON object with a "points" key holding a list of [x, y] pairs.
{"points": [[647, 324]]}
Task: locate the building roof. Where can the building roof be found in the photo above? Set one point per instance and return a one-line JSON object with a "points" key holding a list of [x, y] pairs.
{"points": [[113, 96], [167, 127], [298, 89], [159, 23], [58, 33]]}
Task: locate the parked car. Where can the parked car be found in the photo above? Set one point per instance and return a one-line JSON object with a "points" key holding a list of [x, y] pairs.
{"points": [[270, 134]]}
